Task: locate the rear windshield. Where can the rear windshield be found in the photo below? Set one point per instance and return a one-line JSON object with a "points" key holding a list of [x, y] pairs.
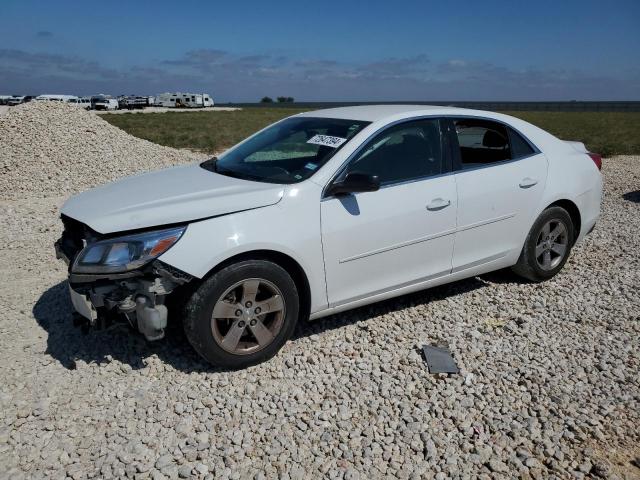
{"points": [[289, 151]]}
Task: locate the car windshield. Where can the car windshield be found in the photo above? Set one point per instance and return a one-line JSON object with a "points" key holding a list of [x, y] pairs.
{"points": [[289, 151]]}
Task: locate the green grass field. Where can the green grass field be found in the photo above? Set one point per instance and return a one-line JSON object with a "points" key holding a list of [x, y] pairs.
{"points": [[607, 133]]}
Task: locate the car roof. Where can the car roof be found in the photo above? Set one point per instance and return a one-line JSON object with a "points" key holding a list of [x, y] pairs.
{"points": [[388, 113], [373, 113]]}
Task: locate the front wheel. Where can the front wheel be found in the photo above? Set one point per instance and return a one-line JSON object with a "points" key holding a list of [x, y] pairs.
{"points": [[547, 246], [243, 314]]}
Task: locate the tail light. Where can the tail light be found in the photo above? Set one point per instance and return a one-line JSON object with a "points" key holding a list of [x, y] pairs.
{"points": [[597, 159]]}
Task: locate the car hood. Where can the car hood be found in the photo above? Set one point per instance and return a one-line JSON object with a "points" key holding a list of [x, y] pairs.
{"points": [[174, 195]]}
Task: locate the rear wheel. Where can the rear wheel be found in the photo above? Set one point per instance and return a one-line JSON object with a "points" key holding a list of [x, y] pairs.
{"points": [[243, 314], [547, 246]]}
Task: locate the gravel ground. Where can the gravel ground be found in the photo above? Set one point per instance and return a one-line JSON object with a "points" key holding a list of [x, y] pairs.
{"points": [[51, 148], [549, 386]]}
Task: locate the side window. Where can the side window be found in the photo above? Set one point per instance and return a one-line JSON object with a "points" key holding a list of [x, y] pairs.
{"points": [[482, 142], [403, 152], [519, 146]]}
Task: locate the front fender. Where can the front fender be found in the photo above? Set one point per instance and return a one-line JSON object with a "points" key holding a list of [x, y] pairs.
{"points": [[207, 243]]}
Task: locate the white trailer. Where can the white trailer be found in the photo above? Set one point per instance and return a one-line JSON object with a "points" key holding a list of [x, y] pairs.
{"points": [[184, 100]]}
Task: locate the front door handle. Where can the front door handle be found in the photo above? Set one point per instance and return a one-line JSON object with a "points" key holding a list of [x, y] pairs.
{"points": [[438, 204], [528, 182]]}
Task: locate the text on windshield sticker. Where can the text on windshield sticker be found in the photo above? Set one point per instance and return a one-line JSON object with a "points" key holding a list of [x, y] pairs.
{"points": [[327, 141]]}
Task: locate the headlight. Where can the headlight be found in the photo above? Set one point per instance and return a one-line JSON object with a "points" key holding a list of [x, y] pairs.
{"points": [[122, 254]]}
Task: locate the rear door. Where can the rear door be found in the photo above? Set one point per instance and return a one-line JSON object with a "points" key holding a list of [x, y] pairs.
{"points": [[500, 179], [401, 234]]}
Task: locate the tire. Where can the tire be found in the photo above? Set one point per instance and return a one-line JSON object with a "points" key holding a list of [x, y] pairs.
{"points": [[540, 268], [237, 338]]}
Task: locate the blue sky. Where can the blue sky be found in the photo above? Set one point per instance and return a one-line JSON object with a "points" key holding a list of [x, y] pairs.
{"points": [[324, 51]]}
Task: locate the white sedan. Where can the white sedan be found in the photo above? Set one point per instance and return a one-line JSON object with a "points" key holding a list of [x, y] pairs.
{"points": [[323, 212]]}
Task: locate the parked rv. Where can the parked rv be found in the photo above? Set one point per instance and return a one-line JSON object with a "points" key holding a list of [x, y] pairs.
{"points": [[184, 100]]}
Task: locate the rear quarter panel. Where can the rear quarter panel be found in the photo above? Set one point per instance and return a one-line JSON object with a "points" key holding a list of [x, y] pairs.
{"points": [[572, 175]]}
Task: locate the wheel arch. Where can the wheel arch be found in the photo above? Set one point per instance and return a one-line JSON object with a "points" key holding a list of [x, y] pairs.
{"points": [[573, 211], [281, 259]]}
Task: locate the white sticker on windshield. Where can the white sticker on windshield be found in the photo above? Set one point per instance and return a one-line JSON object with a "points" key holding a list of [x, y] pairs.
{"points": [[327, 140]]}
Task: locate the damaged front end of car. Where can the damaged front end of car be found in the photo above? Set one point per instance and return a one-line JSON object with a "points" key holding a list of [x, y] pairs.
{"points": [[119, 275]]}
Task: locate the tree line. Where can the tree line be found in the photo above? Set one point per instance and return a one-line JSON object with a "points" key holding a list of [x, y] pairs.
{"points": [[278, 99]]}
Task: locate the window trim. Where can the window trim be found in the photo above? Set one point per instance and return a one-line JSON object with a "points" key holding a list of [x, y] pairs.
{"points": [[455, 146], [512, 132], [445, 150]]}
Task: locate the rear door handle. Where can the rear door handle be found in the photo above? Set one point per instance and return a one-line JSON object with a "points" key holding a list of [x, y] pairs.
{"points": [[528, 182], [438, 204]]}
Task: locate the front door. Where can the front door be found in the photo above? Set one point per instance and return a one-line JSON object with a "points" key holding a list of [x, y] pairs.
{"points": [[401, 234]]}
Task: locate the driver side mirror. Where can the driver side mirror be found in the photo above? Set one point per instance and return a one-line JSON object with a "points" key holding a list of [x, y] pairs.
{"points": [[354, 182]]}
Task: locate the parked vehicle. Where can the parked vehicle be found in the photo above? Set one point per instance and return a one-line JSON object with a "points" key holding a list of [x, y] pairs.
{"points": [[131, 102], [16, 100], [103, 103], [58, 98], [52, 98], [207, 100], [84, 102], [323, 212], [184, 100]]}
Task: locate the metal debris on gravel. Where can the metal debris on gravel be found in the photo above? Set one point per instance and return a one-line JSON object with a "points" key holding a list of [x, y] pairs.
{"points": [[550, 391]]}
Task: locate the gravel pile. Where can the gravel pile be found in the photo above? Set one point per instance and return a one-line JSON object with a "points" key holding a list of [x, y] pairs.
{"points": [[54, 149], [549, 384]]}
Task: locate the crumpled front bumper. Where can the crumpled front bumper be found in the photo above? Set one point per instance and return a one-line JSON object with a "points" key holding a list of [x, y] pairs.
{"points": [[138, 296], [81, 303], [83, 306]]}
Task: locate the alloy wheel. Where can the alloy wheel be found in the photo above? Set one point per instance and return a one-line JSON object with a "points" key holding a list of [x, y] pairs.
{"points": [[552, 244], [248, 316]]}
